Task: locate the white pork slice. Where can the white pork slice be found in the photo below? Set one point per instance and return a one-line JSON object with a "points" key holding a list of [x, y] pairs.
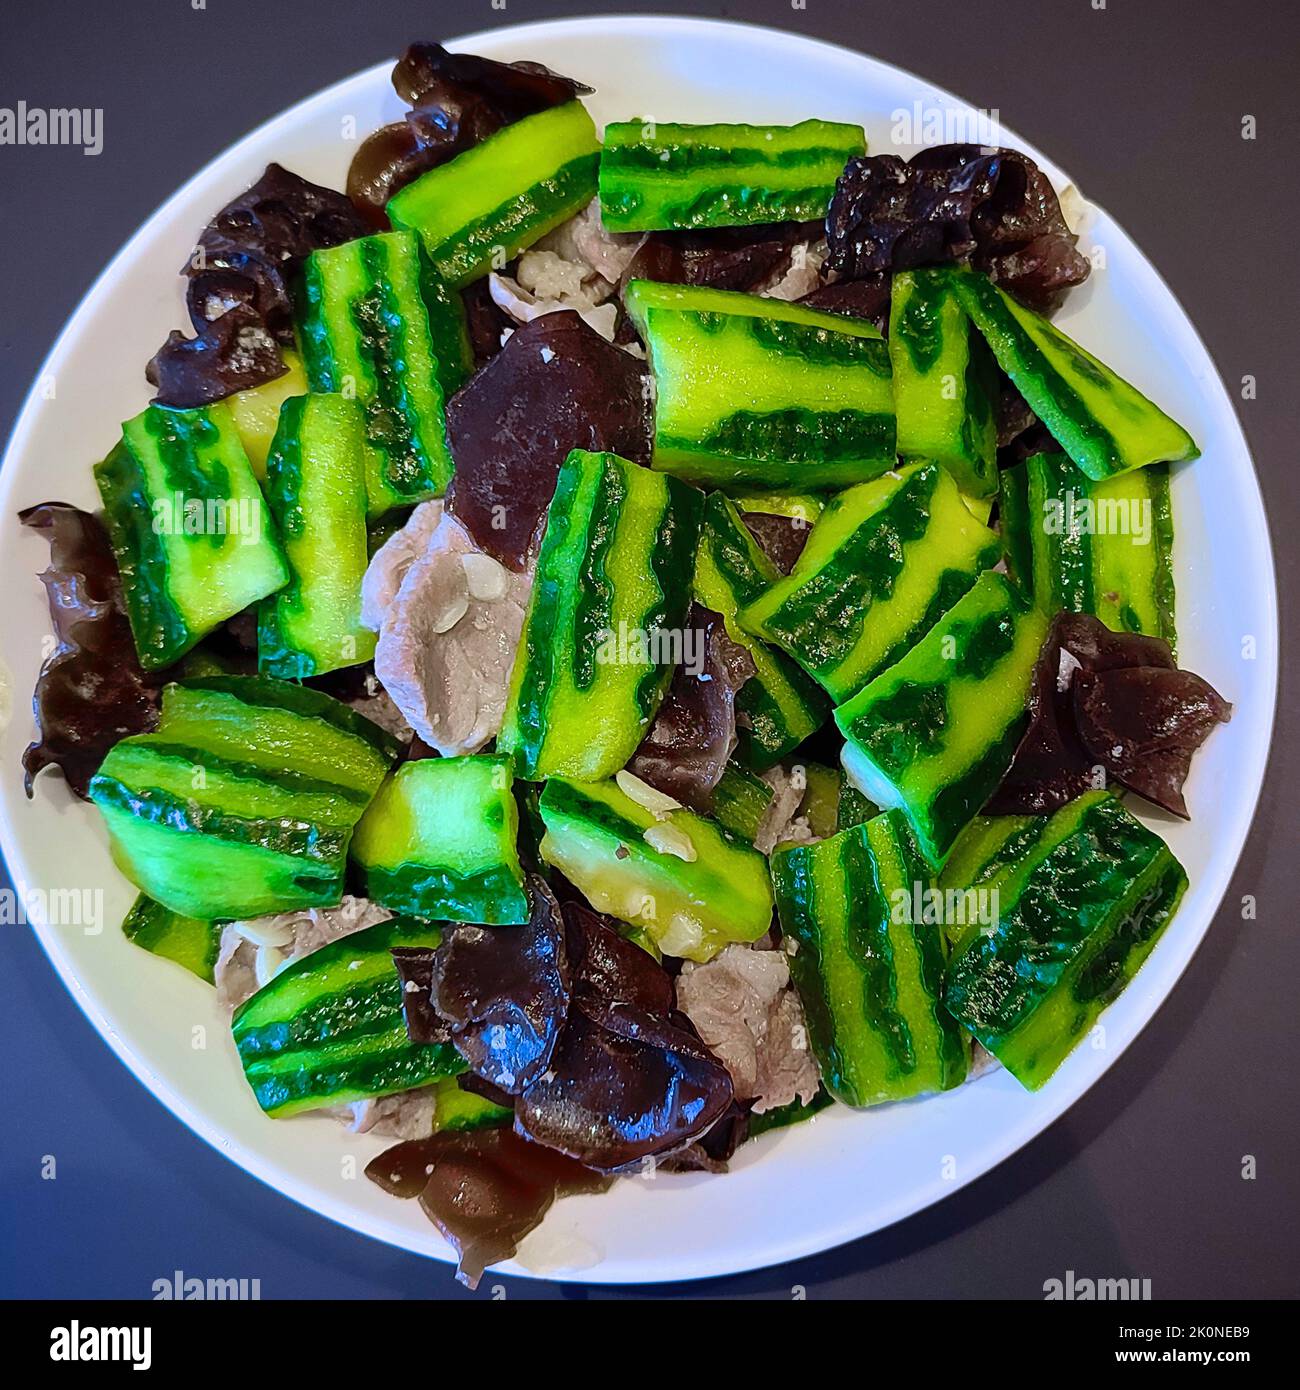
{"points": [[744, 1008], [449, 619]]}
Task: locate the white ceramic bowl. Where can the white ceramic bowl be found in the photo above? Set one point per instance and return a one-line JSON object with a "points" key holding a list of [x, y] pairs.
{"points": [[791, 1193]]}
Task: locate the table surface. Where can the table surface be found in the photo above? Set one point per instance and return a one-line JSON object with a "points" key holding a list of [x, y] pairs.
{"points": [[1144, 105]]}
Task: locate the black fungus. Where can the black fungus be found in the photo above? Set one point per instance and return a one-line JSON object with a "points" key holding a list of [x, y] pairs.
{"points": [[239, 292], [1106, 706], [231, 354], [1143, 724], [780, 538], [624, 1087], [483, 1189], [414, 965], [685, 750], [866, 298], [721, 258], [505, 992], [992, 209], [557, 385], [608, 967], [91, 691]]}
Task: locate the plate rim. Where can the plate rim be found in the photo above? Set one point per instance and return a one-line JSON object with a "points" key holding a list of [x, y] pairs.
{"points": [[921, 1196]]}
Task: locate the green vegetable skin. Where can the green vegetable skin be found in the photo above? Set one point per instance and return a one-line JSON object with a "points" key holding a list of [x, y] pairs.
{"points": [[869, 973], [316, 490], [457, 1109], [243, 801], [612, 587], [365, 334], [778, 706], [1084, 895], [741, 800], [328, 1028], [438, 842], [755, 392], [1104, 548], [884, 562], [682, 177], [193, 539], [188, 941], [934, 734], [690, 909], [1105, 424], [945, 382], [481, 209]]}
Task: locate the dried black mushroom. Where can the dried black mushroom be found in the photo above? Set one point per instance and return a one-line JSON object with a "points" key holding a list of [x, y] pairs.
{"points": [[504, 991], [625, 1086], [483, 1189], [993, 209], [459, 99], [864, 298], [414, 966], [91, 691], [231, 354], [1143, 724], [608, 967], [239, 294], [1107, 706], [781, 538], [557, 385], [685, 750], [721, 258], [260, 238]]}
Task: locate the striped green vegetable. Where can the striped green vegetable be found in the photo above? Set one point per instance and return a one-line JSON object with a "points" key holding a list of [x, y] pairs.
{"points": [[758, 393], [365, 334], [884, 562], [945, 382], [778, 706], [1083, 897], [682, 878], [189, 941], [869, 967], [439, 842], [741, 800], [480, 210], [1103, 422], [1104, 548], [316, 490], [934, 734], [457, 1109], [243, 801], [831, 803], [761, 1122], [655, 176], [193, 539], [448, 330], [604, 624], [329, 1028]]}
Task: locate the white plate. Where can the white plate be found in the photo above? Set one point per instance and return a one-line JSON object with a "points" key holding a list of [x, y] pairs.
{"points": [[846, 1173]]}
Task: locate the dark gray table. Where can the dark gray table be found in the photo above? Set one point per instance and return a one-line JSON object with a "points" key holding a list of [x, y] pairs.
{"points": [[1144, 104]]}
